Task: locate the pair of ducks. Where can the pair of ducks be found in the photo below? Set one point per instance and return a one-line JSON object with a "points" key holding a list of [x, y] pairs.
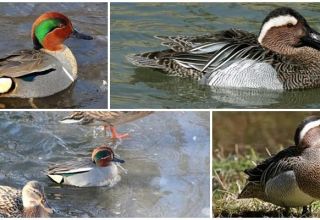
{"points": [[284, 56], [100, 170], [291, 177]]}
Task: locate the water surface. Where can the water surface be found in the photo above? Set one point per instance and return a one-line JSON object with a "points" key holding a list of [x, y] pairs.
{"points": [[167, 163], [90, 18], [133, 26]]}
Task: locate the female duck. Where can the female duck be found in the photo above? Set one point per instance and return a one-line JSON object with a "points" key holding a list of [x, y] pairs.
{"points": [[110, 119], [101, 170], [29, 203], [47, 69], [285, 55]]}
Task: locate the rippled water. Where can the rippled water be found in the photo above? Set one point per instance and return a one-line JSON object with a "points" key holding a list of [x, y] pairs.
{"points": [[89, 18], [167, 163], [133, 26]]}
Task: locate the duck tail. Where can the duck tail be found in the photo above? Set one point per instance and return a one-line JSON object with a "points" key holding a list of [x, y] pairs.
{"points": [[150, 59], [252, 190], [144, 60]]}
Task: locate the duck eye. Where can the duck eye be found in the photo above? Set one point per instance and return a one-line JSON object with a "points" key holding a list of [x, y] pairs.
{"points": [[61, 25], [289, 25]]}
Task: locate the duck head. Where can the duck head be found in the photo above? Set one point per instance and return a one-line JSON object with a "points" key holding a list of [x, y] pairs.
{"points": [[284, 29], [34, 200], [308, 132], [51, 29], [102, 156]]}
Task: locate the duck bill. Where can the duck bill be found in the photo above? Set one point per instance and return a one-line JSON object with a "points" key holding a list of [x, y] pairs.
{"points": [[78, 35], [46, 206], [312, 39], [117, 160]]}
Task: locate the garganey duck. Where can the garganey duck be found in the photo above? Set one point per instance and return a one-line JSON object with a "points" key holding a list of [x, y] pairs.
{"points": [[100, 170], [291, 178], [285, 55], [109, 118], [47, 69], [30, 202]]}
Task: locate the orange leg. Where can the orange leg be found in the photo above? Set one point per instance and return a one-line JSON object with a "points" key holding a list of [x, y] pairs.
{"points": [[115, 134]]}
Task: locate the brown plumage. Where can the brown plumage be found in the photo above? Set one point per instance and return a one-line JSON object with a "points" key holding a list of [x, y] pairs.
{"points": [[108, 118], [30, 202]]}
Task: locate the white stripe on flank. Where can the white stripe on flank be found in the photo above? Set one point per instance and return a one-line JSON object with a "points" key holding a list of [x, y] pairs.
{"points": [[79, 170], [308, 127], [68, 74], [276, 22]]}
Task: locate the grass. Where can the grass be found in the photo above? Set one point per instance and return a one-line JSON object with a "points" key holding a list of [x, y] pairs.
{"points": [[228, 181]]}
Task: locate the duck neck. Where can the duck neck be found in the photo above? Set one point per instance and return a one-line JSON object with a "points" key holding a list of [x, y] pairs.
{"points": [[303, 55], [66, 58], [36, 211]]}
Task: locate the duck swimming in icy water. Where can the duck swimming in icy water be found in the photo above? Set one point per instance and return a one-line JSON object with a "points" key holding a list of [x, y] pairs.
{"points": [[284, 56], [99, 170], [48, 68]]}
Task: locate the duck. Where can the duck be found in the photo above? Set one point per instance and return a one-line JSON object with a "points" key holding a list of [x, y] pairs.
{"points": [[50, 67], [100, 170], [290, 178], [284, 56], [30, 202], [109, 118]]}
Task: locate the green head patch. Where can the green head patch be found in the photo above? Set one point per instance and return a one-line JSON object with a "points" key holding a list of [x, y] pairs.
{"points": [[46, 27], [101, 154]]}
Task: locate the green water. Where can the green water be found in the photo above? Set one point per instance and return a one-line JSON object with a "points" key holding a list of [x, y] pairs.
{"points": [[133, 26]]}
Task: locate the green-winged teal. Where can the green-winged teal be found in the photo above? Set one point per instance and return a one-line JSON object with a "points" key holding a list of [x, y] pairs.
{"points": [[47, 69], [30, 202], [284, 56], [100, 170], [109, 118], [291, 178]]}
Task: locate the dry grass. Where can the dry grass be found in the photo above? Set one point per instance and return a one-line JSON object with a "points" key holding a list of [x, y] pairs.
{"points": [[229, 179]]}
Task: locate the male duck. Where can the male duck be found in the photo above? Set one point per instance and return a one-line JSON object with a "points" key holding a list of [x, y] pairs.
{"points": [[291, 178], [111, 119], [47, 69], [285, 55], [29, 203], [101, 170]]}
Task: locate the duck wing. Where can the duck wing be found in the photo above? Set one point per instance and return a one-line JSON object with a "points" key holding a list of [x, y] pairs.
{"points": [[71, 167], [202, 54], [220, 49], [258, 176], [10, 202], [26, 62], [186, 43]]}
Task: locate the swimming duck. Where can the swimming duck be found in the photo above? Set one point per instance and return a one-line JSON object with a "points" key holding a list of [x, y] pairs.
{"points": [[47, 69], [284, 56], [30, 202], [100, 170], [291, 178], [110, 118]]}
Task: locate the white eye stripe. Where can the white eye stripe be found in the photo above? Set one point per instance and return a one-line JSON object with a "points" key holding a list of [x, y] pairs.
{"points": [[308, 127], [276, 22]]}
